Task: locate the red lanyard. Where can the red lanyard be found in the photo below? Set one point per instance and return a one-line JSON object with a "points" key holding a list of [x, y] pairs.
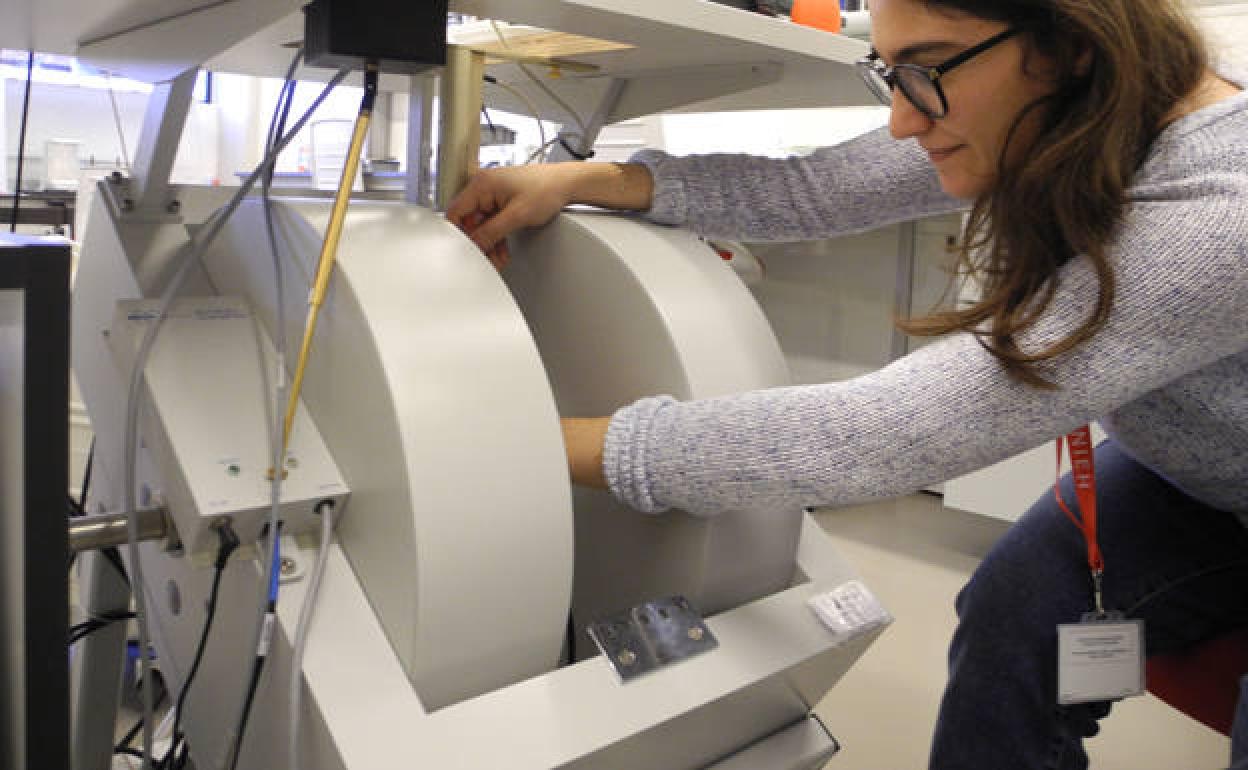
{"points": [[1083, 471]]}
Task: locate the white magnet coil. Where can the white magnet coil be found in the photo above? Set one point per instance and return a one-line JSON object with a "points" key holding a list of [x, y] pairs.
{"points": [[427, 387]]}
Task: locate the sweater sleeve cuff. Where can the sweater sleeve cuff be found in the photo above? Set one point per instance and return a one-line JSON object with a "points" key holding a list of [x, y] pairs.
{"points": [[667, 205], [624, 454]]}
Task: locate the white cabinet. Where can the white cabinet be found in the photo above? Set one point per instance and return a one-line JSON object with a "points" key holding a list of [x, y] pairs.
{"points": [[832, 303]]}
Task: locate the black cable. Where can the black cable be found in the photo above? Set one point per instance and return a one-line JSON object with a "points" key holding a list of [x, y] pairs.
{"points": [[91, 625], [73, 511], [277, 128], [123, 745], [257, 669], [277, 125], [574, 153], [21, 141], [371, 81], [257, 665], [114, 558], [229, 542], [86, 477], [100, 621], [262, 654], [488, 122]]}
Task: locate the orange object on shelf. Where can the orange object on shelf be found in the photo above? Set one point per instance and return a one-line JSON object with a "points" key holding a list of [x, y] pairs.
{"points": [[820, 14]]}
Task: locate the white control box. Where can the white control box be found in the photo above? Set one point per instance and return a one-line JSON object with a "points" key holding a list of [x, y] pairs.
{"points": [[207, 421]]}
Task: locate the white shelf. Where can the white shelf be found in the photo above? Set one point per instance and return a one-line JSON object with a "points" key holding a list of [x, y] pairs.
{"points": [[687, 54]]}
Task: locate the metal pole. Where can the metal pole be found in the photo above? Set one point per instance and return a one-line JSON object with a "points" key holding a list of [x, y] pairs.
{"points": [[460, 143], [419, 188], [105, 530]]}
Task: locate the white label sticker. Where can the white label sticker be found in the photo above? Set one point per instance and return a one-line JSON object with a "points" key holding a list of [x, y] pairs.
{"points": [[266, 635], [1099, 660]]}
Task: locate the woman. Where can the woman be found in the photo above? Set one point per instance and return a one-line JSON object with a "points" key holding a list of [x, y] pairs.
{"points": [[1106, 168]]}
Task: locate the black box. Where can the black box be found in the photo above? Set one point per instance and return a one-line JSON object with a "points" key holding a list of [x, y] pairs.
{"points": [[403, 37], [34, 477]]}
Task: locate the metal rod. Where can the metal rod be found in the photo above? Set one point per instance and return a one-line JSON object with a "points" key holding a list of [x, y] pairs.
{"points": [[460, 114], [419, 186], [105, 530], [329, 248]]}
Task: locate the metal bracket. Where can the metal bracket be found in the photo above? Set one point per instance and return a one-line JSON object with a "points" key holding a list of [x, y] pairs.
{"points": [[119, 194], [652, 635]]}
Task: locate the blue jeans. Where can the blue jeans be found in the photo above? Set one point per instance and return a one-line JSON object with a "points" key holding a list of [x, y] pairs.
{"points": [[1175, 562]]}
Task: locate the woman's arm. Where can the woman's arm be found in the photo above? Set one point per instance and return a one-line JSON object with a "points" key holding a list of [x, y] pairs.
{"points": [[1168, 370], [583, 438], [499, 201], [864, 183]]}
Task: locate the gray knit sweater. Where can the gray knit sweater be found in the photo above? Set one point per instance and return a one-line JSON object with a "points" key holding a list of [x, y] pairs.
{"points": [[1167, 376]]}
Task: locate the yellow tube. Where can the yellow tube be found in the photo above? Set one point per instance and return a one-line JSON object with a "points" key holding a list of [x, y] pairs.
{"points": [[329, 249]]}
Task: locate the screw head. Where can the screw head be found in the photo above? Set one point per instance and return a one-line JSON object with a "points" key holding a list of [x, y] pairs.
{"points": [[174, 207], [627, 657], [695, 634], [233, 469], [288, 565]]}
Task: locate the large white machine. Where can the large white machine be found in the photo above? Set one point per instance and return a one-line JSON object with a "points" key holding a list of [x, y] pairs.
{"points": [[450, 627], [460, 557]]}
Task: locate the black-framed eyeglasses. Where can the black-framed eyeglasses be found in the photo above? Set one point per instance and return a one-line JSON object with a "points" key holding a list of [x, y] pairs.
{"points": [[920, 84]]}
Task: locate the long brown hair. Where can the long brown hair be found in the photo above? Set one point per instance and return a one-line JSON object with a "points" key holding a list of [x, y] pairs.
{"points": [[1122, 65]]}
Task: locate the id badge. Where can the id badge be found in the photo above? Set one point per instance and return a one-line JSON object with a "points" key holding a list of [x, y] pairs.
{"points": [[1100, 659]]}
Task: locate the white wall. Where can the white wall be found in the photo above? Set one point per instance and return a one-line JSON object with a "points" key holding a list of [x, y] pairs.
{"points": [[1226, 25], [67, 112], [772, 133], [239, 139], [831, 302]]}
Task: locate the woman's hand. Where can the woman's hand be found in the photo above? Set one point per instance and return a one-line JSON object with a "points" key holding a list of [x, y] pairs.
{"points": [[583, 438], [498, 201]]}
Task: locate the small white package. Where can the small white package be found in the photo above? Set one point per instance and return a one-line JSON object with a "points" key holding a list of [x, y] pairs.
{"points": [[849, 610]]}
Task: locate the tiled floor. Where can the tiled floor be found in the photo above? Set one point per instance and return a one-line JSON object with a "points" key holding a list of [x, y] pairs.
{"points": [[915, 555]]}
